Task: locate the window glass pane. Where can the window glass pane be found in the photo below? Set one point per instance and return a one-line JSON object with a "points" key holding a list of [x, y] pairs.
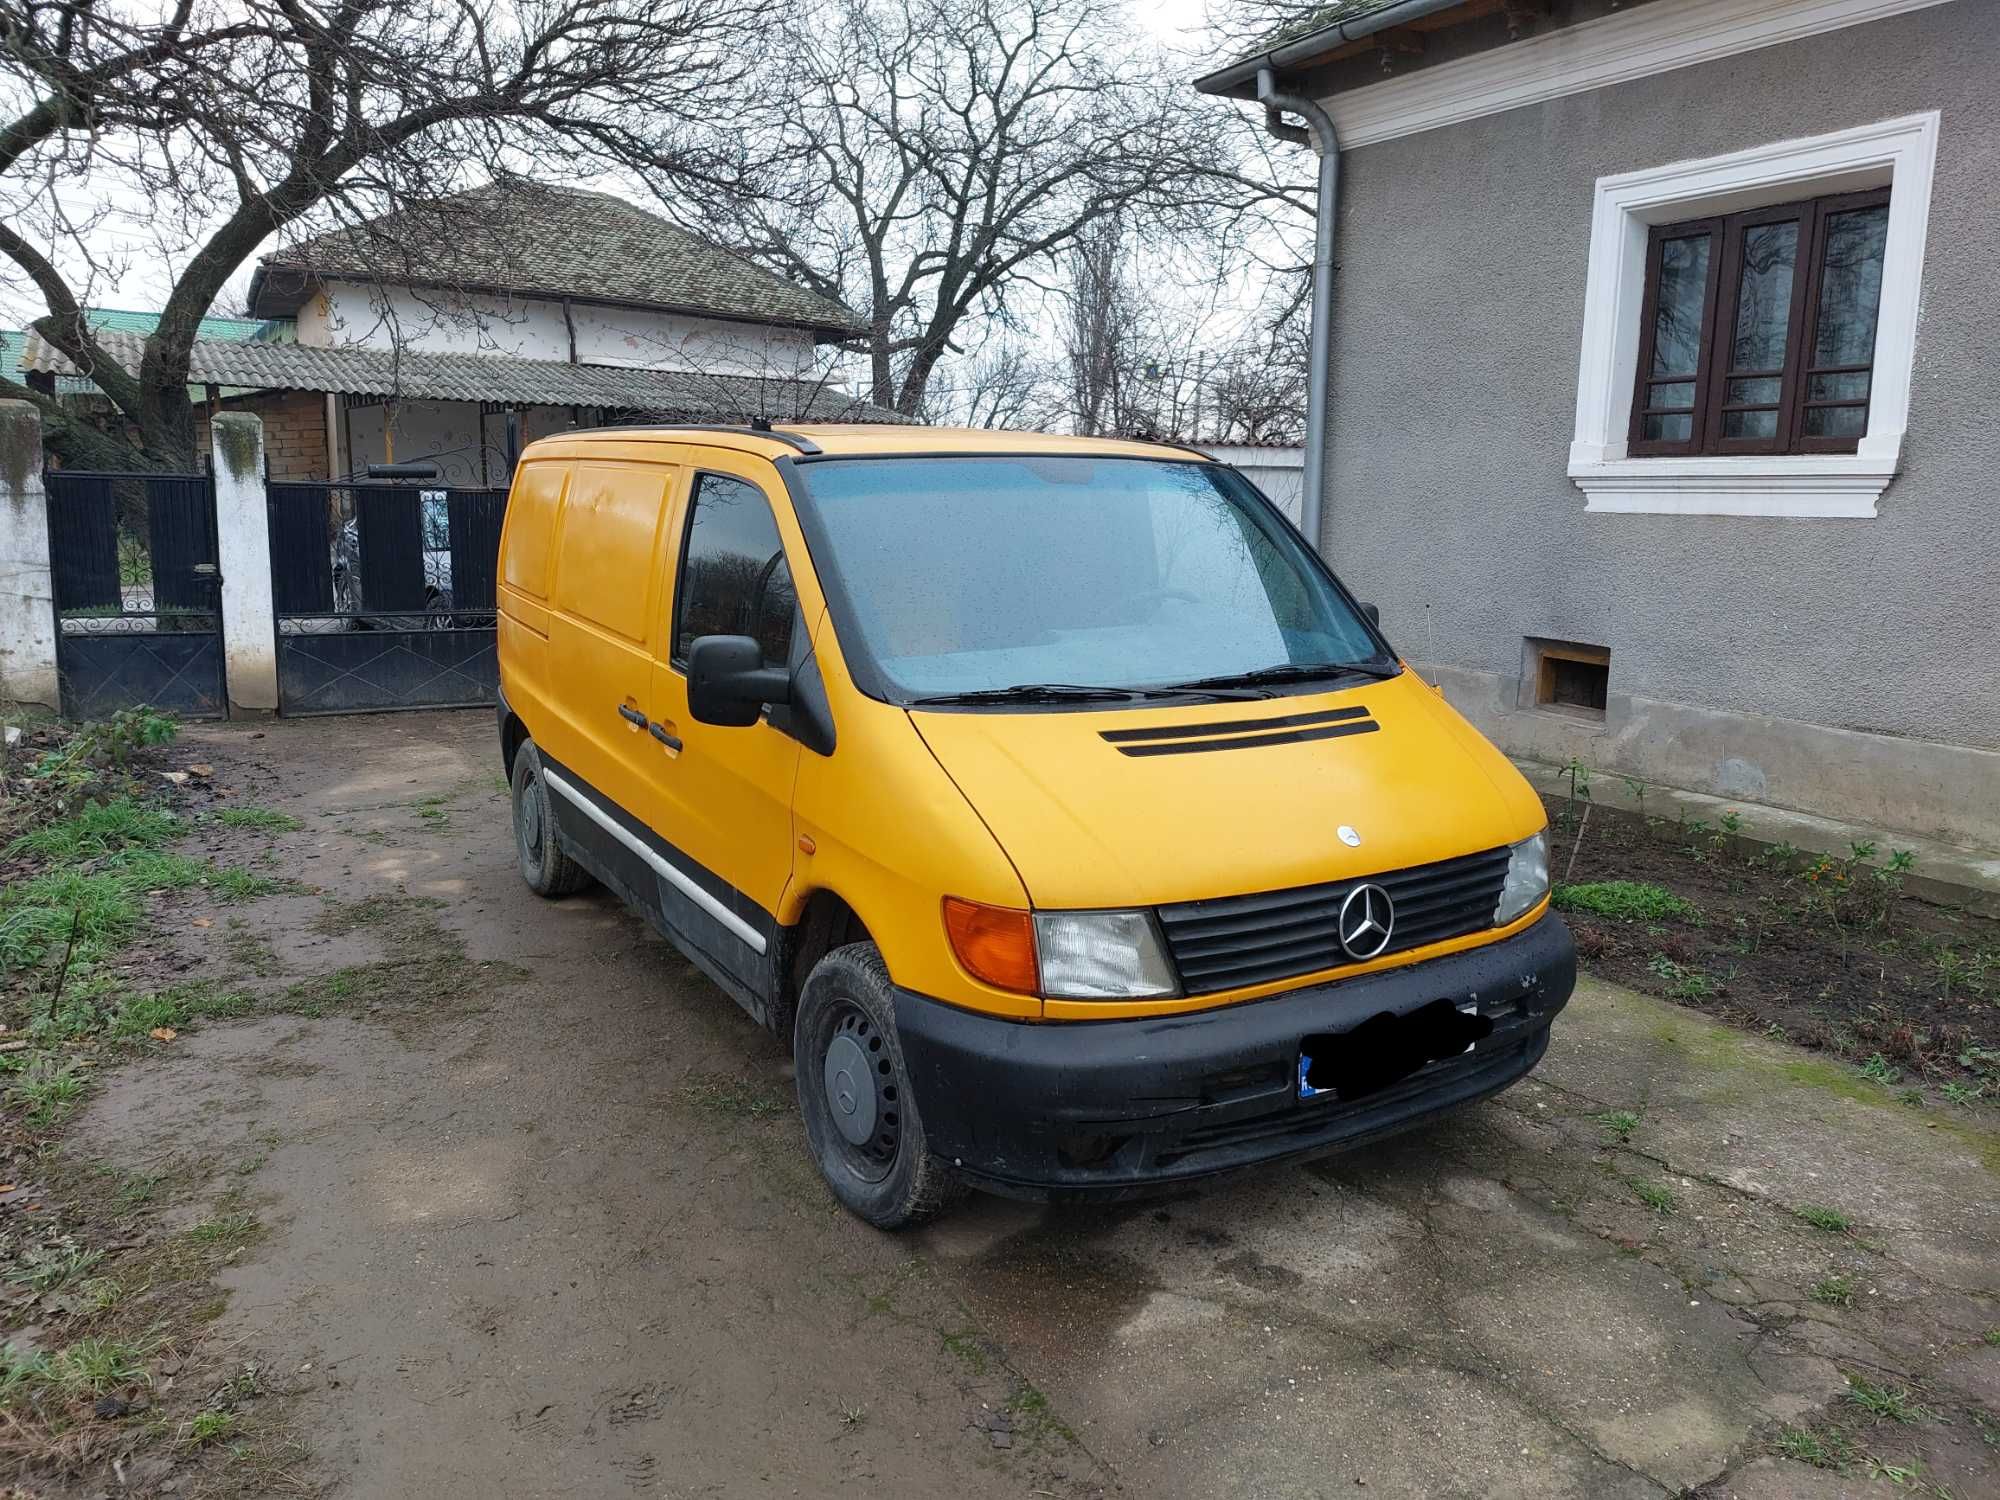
{"points": [[1764, 296], [1852, 386], [1750, 424], [1850, 288], [1677, 320], [1760, 388], [1678, 394], [1836, 421], [735, 580], [1669, 427]]}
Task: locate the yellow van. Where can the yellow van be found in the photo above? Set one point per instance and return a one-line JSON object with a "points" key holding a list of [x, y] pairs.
{"points": [[1048, 795]]}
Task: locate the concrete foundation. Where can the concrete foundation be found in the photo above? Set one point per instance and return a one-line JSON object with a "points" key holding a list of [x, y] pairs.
{"points": [[1942, 791]]}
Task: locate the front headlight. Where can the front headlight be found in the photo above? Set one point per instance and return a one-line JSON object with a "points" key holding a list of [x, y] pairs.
{"points": [[1101, 955], [1527, 878]]}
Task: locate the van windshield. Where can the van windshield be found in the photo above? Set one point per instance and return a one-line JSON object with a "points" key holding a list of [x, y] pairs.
{"points": [[1070, 578]]}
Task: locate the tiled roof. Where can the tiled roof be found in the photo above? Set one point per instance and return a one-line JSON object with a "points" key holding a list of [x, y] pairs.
{"points": [[415, 376], [534, 239]]}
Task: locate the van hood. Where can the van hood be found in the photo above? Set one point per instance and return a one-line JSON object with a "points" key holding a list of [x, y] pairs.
{"points": [[1145, 805]]}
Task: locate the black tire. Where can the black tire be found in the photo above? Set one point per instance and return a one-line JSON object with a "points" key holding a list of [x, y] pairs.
{"points": [[891, 1179], [548, 870]]}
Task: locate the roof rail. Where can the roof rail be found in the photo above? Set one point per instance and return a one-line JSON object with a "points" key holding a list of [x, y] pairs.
{"points": [[791, 439]]}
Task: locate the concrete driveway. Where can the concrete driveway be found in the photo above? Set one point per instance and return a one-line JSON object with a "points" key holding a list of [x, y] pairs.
{"points": [[541, 1223]]}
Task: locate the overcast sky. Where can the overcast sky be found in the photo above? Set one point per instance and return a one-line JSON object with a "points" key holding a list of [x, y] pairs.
{"points": [[141, 281]]}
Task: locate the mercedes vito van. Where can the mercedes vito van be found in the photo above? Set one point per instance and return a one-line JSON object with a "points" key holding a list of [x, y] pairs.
{"points": [[1050, 797]]}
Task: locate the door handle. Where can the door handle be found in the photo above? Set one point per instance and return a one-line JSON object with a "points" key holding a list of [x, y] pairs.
{"points": [[631, 715], [659, 732]]}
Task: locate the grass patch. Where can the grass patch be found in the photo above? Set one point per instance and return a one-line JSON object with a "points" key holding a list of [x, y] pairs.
{"points": [[49, 1268], [1834, 1290], [47, 1091], [1823, 1450], [1624, 900], [1657, 1196], [733, 1098], [1821, 1217], [210, 1426], [97, 830], [225, 1229], [1888, 1401], [1620, 1122], [262, 818], [41, 916]]}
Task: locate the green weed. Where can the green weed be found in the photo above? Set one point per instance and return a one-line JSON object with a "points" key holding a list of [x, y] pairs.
{"points": [[1824, 1218], [47, 1269], [97, 830], [1620, 1122], [258, 817], [1660, 1198], [1625, 900], [210, 1427], [47, 1092], [1834, 1290], [1892, 1402], [1823, 1450]]}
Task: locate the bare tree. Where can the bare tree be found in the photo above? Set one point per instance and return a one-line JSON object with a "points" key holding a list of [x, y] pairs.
{"points": [[219, 123], [938, 156]]}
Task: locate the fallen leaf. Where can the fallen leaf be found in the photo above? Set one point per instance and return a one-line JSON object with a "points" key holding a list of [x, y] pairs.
{"points": [[163, 1033], [6, 1187], [204, 921], [13, 1046], [199, 770], [178, 778]]}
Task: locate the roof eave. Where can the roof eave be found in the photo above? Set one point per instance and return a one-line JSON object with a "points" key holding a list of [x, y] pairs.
{"points": [[824, 331], [1239, 79]]}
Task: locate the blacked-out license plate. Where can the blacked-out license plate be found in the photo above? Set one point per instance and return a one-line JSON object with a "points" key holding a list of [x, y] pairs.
{"points": [[1387, 1048]]}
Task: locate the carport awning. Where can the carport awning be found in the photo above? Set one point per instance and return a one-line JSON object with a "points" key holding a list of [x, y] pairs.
{"points": [[412, 375]]}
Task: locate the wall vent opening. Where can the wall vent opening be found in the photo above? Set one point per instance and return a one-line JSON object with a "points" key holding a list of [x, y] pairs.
{"points": [[1571, 677]]}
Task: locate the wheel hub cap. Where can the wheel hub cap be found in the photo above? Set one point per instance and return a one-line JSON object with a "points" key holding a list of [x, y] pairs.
{"points": [[850, 1089]]}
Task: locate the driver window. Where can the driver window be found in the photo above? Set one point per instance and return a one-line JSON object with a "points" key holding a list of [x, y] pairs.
{"points": [[734, 577]]}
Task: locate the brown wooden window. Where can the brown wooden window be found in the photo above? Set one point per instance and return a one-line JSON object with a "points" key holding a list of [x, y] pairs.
{"points": [[1758, 333]]}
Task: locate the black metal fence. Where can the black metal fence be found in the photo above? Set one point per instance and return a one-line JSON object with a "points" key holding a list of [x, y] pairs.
{"points": [[384, 595], [137, 592]]}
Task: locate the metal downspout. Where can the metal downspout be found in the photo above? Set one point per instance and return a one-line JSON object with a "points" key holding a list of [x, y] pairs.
{"points": [[1324, 139]]}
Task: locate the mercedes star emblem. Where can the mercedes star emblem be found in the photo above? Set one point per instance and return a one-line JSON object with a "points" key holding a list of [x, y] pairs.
{"points": [[1348, 836], [1366, 918]]}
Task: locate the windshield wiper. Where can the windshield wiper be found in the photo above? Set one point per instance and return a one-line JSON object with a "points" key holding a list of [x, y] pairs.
{"points": [[1053, 692], [1295, 671]]}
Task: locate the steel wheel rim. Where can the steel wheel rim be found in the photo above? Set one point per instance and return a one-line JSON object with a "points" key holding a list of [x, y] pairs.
{"points": [[529, 819], [851, 1040]]}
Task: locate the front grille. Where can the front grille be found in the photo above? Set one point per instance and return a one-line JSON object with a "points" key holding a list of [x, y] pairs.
{"points": [[1235, 941]]}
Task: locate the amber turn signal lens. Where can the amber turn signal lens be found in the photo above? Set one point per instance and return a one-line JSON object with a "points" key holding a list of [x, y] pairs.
{"points": [[994, 943]]}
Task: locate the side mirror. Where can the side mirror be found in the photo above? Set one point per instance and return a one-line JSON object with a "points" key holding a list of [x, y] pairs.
{"points": [[728, 683], [1374, 615]]}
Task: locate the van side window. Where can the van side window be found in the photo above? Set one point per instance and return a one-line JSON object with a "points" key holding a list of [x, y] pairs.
{"points": [[734, 577]]}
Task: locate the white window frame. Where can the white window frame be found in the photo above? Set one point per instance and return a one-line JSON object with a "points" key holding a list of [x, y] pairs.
{"points": [[1900, 154]]}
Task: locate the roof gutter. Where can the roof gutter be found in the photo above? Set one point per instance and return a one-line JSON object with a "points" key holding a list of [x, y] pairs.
{"points": [[1239, 78], [1320, 134], [1279, 99]]}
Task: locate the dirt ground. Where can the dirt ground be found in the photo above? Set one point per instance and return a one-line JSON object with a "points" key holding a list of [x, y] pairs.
{"points": [[535, 1219], [1828, 951]]}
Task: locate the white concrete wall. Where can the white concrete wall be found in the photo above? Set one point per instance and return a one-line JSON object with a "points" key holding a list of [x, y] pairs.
{"points": [[1278, 472], [347, 312], [243, 536], [27, 595]]}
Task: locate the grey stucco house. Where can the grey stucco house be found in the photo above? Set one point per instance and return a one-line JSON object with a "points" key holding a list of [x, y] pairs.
{"points": [[1663, 343]]}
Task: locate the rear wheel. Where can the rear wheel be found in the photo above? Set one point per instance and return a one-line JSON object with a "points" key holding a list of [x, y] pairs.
{"points": [[547, 869], [854, 1094]]}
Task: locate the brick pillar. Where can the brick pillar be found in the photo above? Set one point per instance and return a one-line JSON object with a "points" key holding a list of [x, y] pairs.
{"points": [[243, 533], [27, 597]]}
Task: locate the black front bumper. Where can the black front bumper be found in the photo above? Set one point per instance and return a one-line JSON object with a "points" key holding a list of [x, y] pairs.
{"points": [[1104, 1108]]}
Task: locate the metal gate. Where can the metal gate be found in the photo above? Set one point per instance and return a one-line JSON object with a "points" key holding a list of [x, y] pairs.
{"points": [[384, 595], [137, 593]]}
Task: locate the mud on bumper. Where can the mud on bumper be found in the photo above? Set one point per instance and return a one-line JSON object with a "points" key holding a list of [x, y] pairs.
{"points": [[1095, 1109]]}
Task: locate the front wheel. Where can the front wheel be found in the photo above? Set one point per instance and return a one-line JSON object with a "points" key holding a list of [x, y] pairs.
{"points": [[854, 1094]]}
